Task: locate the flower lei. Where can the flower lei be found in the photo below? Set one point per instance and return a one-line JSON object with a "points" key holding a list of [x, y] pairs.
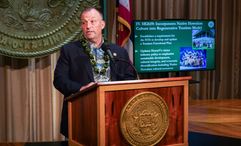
{"points": [[87, 50]]}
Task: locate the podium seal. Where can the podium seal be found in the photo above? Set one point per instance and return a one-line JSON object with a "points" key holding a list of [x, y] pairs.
{"points": [[144, 119]]}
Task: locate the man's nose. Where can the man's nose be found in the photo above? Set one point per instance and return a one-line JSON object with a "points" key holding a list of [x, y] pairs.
{"points": [[88, 24]]}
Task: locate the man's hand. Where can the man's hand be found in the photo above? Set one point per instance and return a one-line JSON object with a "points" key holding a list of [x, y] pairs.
{"points": [[86, 86]]}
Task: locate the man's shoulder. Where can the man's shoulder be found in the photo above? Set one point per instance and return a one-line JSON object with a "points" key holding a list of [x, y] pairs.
{"points": [[115, 47], [71, 48], [75, 44], [117, 51]]}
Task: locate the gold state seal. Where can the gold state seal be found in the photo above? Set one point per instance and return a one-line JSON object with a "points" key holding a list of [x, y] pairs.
{"points": [[33, 28], [144, 119]]}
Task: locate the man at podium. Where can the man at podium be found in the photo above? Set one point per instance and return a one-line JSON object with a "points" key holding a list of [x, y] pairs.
{"points": [[89, 60]]}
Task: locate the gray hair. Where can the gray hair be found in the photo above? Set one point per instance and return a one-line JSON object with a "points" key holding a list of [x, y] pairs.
{"points": [[92, 8]]}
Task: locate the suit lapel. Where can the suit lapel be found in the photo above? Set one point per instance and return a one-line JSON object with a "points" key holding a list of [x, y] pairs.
{"points": [[87, 64]]}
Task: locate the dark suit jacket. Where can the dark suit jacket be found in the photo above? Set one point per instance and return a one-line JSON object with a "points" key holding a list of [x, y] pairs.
{"points": [[74, 70]]}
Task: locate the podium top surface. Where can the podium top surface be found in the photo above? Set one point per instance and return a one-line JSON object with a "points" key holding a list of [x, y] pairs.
{"points": [[130, 82], [145, 80]]}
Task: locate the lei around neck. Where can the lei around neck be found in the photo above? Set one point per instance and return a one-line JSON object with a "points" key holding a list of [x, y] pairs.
{"points": [[87, 50]]}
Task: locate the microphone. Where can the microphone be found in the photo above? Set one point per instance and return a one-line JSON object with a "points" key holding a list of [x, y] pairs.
{"points": [[105, 48], [132, 66]]}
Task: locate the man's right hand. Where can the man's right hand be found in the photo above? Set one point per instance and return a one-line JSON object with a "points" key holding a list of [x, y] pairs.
{"points": [[86, 86]]}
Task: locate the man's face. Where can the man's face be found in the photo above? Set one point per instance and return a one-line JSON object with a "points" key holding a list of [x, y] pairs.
{"points": [[92, 25]]}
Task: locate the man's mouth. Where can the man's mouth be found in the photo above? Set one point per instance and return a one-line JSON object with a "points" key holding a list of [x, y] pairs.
{"points": [[89, 32]]}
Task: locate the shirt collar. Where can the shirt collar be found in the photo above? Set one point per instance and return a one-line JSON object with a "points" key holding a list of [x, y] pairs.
{"points": [[92, 45]]}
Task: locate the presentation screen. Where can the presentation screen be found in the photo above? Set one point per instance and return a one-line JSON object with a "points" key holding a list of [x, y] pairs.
{"points": [[173, 45]]}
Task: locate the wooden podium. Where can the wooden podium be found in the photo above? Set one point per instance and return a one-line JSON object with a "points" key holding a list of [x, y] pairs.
{"points": [[94, 114]]}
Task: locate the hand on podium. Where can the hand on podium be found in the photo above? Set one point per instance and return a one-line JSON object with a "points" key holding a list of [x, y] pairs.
{"points": [[86, 86]]}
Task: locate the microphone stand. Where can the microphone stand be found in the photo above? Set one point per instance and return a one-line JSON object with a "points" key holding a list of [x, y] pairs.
{"points": [[128, 62], [106, 49]]}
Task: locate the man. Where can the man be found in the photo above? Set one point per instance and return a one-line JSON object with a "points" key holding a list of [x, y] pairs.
{"points": [[81, 63]]}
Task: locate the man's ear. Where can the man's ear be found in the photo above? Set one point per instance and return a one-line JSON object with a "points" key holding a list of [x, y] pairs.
{"points": [[102, 24]]}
